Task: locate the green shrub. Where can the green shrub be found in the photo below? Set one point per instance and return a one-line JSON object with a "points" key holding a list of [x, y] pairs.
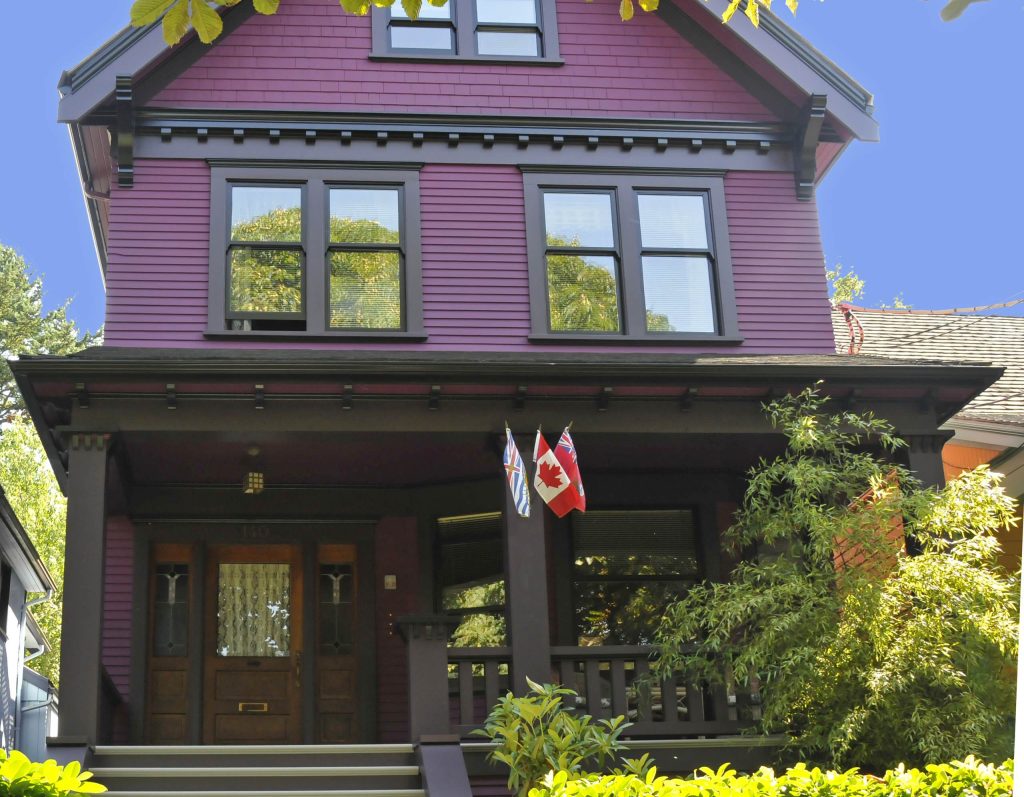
{"points": [[20, 777], [866, 656], [968, 778], [536, 734]]}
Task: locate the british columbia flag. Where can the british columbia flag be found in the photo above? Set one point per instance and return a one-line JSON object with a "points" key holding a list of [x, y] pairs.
{"points": [[515, 472]]}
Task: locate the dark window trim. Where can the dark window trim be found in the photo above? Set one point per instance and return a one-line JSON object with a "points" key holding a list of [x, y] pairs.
{"points": [[626, 186], [465, 25], [316, 183]]}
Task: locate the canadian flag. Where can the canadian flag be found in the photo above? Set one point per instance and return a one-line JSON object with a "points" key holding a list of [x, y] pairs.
{"points": [[557, 479]]}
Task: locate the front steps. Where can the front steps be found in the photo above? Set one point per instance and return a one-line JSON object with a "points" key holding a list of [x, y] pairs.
{"points": [[361, 770]]}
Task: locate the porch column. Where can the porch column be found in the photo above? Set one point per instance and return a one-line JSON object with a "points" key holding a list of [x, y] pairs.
{"points": [[82, 621], [427, 638], [924, 455], [526, 585]]}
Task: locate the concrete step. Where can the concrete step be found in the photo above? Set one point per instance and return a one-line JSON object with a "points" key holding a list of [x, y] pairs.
{"points": [[265, 778], [283, 793], [316, 755]]}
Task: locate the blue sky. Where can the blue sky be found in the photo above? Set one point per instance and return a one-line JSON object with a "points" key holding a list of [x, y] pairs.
{"points": [[934, 211]]}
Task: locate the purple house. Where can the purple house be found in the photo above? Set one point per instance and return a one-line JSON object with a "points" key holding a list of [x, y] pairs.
{"points": [[339, 254]]}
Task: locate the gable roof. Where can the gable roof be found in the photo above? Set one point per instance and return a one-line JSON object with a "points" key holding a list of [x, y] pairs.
{"points": [[918, 336], [19, 552], [138, 52]]}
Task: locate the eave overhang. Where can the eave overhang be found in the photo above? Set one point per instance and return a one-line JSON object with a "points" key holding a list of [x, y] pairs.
{"points": [[19, 551], [54, 387]]}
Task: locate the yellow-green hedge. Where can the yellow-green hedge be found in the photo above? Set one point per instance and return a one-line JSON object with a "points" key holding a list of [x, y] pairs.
{"points": [[969, 778]]}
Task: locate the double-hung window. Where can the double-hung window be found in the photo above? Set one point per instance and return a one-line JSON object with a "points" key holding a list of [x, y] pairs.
{"points": [[629, 257], [315, 252], [473, 30]]}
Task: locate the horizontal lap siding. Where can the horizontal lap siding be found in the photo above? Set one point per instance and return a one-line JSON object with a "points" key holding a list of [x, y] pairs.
{"points": [[313, 56], [475, 282], [778, 265], [117, 602], [158, 256]]}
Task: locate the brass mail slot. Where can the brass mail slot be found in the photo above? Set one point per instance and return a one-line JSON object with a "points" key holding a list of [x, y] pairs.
{"points": [[253, 708]]}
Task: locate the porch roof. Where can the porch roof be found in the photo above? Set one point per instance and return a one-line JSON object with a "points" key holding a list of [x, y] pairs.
{"points": [[54, 386]]}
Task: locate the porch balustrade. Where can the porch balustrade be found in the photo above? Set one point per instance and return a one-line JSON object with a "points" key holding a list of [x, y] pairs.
{"points": [[610, 681]]}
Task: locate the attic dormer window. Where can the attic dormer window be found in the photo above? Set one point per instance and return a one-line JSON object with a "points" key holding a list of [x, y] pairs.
{"points": [[494, 31]]}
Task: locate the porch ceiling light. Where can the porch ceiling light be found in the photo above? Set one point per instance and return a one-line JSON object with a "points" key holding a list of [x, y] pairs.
{"points": [[254, 481]]}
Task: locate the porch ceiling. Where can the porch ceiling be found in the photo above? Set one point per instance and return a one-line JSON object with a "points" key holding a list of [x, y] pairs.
{"points": [[409, 459]]}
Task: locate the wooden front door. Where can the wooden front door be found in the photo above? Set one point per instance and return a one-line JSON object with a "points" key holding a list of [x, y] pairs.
{"points": [[252, 669]]}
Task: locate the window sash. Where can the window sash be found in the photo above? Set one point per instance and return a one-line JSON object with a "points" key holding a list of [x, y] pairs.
{"points": [[315, 248], [465, 27], [627, 188]]}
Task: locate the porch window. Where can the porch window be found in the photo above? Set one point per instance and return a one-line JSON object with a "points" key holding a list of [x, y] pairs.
{"points": [[629, 258], [469, 30], [471, 568], [315, 252], [628, 566]]}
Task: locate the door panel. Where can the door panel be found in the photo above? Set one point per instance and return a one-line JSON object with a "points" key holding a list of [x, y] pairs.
{"points": [[335, 644], [253, 661], [167, 649]]}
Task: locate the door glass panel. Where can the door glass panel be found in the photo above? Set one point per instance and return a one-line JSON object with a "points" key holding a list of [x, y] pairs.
{"points": [[254, 610], [335, 608], [170, 610]]}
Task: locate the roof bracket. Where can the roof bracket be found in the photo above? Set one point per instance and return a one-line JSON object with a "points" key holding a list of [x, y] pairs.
{"points": [[521, 397], [172, 396], [604, 398], [82, 394], [124, 131], [434, 402], [686, 402], [346, 398], [259, 397], [928, 400], [805, 149]]}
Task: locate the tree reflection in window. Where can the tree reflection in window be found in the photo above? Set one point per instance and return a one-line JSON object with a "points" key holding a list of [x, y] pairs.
{"points": [[627, 567], [472, 578]]}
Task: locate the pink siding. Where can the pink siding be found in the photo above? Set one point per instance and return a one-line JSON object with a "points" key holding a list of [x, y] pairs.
{"points": [[314, 57], [395, 554], [474, 263], [117, 602]]}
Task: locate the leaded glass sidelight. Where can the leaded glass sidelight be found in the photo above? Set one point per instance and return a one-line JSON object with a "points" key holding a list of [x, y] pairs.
{"points": [[170, 610], [254, 610], [336, 587]]}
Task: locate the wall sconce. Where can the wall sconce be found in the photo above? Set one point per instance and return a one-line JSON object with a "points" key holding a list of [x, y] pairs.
{"points": [[254, 481]]}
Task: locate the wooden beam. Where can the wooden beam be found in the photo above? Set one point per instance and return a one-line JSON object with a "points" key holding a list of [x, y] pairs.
{"points": [[81, 666], [805, 149], [124, 132], [526, 585]]}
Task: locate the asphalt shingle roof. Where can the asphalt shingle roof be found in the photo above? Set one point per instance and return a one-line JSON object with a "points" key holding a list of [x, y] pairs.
{"points": [[998, 340]]}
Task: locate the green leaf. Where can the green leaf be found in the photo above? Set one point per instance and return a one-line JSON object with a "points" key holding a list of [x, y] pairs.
{"points": [[266, 6], [206, 21], [146, 12], [176, 22], [359, 7], [626, 10], [412, 8], [649, 5]]}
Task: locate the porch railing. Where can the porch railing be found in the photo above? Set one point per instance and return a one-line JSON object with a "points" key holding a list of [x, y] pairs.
{"points": [[610, 681]]}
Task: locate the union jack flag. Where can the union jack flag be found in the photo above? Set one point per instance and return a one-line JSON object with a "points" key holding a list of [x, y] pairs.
{"points": [[515, 472], [565, 451]]}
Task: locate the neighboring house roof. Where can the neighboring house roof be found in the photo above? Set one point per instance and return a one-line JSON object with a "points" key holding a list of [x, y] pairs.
{"points": [[18, 550], [137, 52], [998, 340]]}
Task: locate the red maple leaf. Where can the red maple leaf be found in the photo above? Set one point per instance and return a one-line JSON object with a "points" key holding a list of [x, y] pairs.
{"points": [[551, 475]]}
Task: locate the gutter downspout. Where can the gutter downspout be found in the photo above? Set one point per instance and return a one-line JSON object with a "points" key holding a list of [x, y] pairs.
{"points": [[23, 660]]}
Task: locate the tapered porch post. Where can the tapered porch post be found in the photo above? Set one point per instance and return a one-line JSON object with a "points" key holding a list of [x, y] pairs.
{"points": [[82, 622], [526, 581]]}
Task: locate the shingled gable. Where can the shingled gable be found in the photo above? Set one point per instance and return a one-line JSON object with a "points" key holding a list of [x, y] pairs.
{"points": [[779, 66]]}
